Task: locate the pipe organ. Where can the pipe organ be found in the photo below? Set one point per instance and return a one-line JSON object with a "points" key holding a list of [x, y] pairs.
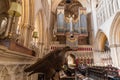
{"points": [[69, 23], [74, 28]]}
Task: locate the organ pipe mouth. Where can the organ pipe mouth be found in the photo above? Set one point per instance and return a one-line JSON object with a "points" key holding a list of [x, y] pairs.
{"points": [[71, 36]]}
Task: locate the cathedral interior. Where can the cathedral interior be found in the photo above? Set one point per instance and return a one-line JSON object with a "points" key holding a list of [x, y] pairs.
{"points": [[59, 40]]}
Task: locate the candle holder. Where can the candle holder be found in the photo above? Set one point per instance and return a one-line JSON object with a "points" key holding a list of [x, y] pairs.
{"points": [[35, 37]]}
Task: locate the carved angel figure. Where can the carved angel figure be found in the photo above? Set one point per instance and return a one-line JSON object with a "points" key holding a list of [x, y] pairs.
{"points": [[3, 25]]}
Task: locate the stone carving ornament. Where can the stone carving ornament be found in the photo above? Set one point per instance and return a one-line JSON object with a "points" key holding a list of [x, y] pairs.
{"points": [[3, 24]]}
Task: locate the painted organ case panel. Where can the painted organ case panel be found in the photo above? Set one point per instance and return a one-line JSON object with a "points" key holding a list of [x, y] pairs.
{"points": [[76, 27], [60, 19], [83, 20]]}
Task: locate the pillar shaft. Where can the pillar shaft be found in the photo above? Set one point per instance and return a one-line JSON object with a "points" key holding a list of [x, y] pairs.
{"points": [[114, 56]]}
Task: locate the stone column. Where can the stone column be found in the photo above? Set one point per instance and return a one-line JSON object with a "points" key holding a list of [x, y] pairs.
{"points": [[22, 34], [118, 55], [29, 35], [26, 26], [105, 14], [115, 5], [108, 10], [114, 56], [93, 6], [118, 3]]}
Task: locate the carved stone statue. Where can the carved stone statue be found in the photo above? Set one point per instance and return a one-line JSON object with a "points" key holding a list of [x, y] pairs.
{"points": [[3, 25]]}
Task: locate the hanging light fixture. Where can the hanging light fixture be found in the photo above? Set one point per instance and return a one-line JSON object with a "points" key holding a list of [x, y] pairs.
{"points": [[35, 34], [14, 11]]}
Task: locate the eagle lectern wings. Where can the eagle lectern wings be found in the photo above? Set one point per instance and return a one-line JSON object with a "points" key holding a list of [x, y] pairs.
{"points": [[49, 64]]}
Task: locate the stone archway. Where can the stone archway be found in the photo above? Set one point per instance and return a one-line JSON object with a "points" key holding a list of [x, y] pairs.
{"points": [[100, 41], [115, 40], [102, 52], [40, 29], [115, 30], [71, 59], [56, 3]]}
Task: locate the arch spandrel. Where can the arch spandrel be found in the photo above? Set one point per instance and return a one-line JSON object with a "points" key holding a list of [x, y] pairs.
{"points": [[115, 30]]}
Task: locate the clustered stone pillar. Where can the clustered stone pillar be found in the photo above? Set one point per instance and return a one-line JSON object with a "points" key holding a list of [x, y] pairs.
{"points": [[29, 35], [26, 34], [114, 55], [118, 55]]}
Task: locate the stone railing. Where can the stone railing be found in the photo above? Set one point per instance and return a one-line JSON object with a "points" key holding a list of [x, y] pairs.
{"points": [[106, 58], [103, 58], [83, 52], [83, 48], [12, 65], [13, 46]]}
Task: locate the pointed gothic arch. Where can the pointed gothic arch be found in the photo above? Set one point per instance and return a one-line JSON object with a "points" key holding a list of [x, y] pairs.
{"points": [[40, 29], [39, 24], [100, 41], [56, 3], [115, 31]]}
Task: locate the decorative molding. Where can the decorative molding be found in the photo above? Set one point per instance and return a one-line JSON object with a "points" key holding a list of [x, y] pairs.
{"points": [[114, 45], [8, 56]]}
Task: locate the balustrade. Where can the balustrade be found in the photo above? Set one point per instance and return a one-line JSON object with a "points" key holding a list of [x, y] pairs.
{"points": [[79, 48], [84, 53], [104, 58]]}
